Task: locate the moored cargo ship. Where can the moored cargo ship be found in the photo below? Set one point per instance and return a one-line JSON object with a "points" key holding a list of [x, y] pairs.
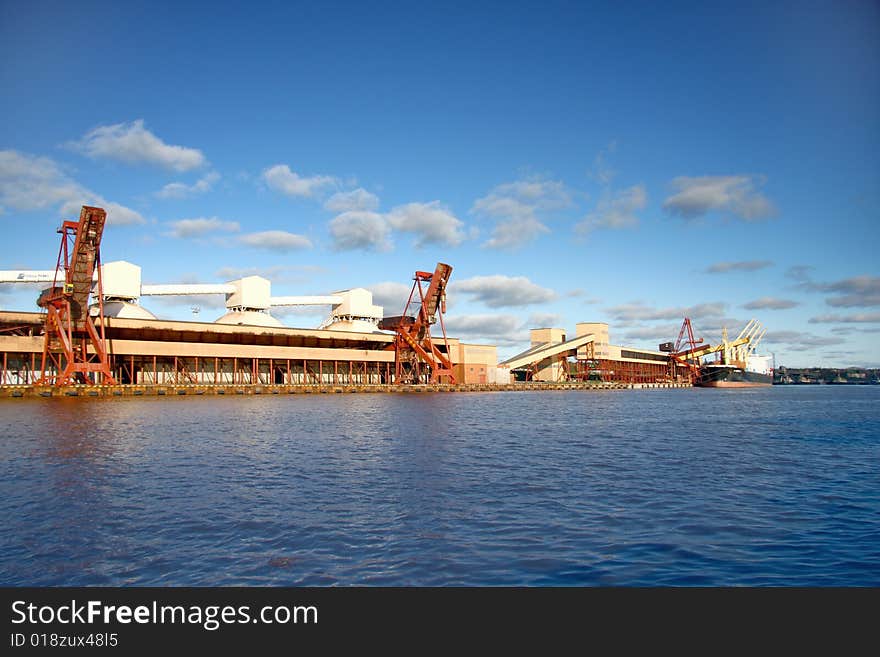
{"points": [[737, 366], [718, 375]]}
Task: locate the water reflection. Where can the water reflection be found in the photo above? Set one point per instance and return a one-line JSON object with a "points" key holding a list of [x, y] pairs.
{"points": [[642, 487]]}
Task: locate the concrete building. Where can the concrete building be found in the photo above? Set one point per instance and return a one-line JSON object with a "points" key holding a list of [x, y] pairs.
{"points": [[588, 356], [477, 363], [247, 345], [154, 351], [150, 351], [115, 338]]}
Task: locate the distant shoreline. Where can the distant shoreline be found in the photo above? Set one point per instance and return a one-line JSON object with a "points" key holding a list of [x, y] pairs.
{"points": [[826, 383], [811, 376]]}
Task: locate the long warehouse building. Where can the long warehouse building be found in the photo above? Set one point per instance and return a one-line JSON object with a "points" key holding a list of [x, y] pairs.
{"points": [[153, 351], [113, 339]]}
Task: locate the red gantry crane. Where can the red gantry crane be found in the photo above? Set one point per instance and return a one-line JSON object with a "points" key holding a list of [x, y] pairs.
{"points": [[414, 348], [687, 350], [74, 350]]}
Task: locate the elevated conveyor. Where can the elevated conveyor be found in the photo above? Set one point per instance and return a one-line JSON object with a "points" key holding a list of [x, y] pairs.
{"points": [[543, 351]]}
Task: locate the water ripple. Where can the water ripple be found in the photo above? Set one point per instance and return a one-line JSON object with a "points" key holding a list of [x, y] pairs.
{"points": [[774, 487]]}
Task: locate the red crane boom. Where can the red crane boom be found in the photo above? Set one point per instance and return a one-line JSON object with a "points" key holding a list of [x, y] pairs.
{"points": [[413, 345], [688, 357], [69, 331]]}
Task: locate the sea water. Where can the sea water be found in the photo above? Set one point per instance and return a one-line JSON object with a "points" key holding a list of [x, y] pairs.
{"points": [[772, 486]]}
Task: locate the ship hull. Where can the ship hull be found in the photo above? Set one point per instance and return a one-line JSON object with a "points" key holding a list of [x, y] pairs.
{"points": [[732, 377]]}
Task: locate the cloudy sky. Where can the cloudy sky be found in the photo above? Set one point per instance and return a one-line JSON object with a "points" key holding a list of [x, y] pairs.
{"points": [[633, 163]]}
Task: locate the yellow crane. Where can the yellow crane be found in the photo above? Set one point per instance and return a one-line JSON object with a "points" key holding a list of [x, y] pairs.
{"points": [[738, 351], [730, 352]]}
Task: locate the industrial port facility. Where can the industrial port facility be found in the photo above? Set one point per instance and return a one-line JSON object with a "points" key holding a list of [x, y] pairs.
{"points": [[91, 329]]}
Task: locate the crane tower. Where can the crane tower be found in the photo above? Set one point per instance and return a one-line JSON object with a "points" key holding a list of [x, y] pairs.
{"points": [[74, 350], [414, 348]]}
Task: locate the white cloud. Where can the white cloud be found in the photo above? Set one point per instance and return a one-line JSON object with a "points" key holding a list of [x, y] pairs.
{"points": [[602, 171], [117, 215], [858, 291], [357, 199], [770, 303], [503, 291], [800, 273], [182, 190], [580, 293], [541, 193], [368, 231], [282, 179], [640, 312], [518, 208], [499, 329], [616, 211], [743, 265], [736, 195], [275, 273], [658, 334], [432, 223], [514, 233], [846, 319], [134, 144], [33, 183], [359, 226], [198, 227], [544, 320], [276, 240], [390, 295], [799, 341]]}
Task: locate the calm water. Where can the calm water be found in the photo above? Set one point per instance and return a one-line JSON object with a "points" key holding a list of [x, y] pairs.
{"points": [[774, 486]]}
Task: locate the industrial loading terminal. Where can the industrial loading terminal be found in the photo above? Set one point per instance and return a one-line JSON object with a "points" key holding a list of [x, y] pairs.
{"points": [[93, 337]]}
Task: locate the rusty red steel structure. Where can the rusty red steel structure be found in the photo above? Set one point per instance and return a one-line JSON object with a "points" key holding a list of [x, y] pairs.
{"points": [[69, 329], [414, 347], [684, 353]]}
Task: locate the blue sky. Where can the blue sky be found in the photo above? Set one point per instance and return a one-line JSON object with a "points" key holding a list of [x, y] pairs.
{"points": [[572, 161]]}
